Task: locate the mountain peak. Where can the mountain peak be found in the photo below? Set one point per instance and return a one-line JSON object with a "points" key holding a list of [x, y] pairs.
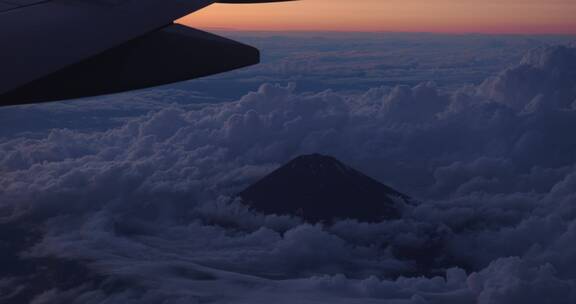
{"points": [[318, 163], [320, 188]]}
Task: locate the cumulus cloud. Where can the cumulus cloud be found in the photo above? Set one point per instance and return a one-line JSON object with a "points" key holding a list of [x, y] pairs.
{"points": [[544, 79], [146, 205]]}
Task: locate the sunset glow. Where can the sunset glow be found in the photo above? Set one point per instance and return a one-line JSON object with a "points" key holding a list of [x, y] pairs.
{"points": [[451, 16]]}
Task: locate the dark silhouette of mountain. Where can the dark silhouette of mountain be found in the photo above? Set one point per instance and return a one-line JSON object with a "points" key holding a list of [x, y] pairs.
{"points": [[321, 189]]}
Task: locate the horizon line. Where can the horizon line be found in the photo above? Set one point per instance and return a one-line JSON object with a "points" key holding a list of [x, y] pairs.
{"points": [[227, 29]]}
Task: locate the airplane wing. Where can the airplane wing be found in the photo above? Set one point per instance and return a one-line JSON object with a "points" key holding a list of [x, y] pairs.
{"points": [[62, 49]]}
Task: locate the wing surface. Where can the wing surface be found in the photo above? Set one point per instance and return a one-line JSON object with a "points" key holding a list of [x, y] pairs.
{"points": [[61, 49], [174, 53], [39, 39]]}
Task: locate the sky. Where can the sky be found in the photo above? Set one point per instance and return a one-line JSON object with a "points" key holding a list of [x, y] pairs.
{"points": [[447, 16]]}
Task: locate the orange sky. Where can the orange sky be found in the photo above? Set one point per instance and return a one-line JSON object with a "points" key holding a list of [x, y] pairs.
{"points": [[453, 16]]}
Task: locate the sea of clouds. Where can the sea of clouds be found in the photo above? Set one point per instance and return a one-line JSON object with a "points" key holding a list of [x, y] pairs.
{"points": [[135, 204]]}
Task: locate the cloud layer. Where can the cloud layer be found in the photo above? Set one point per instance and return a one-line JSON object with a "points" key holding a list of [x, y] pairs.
{"points": [[146, 204]]}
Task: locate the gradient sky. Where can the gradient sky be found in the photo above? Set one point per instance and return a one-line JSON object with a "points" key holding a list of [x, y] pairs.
{"points": [[453, 16]]}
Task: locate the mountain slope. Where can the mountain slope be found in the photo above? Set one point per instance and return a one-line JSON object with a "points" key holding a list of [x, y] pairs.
{"points": [[320, 189]]}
